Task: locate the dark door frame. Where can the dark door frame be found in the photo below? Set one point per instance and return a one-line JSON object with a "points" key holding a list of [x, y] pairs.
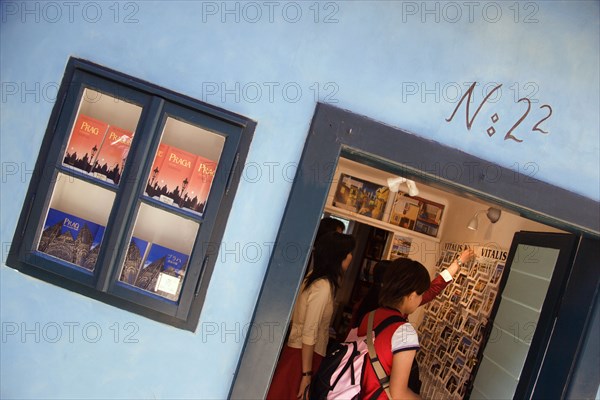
{"points": [[335, 132], [566, 245]]}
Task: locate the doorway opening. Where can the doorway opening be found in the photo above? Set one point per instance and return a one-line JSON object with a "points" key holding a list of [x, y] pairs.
{"points": [[433, 226], [337, 135]]}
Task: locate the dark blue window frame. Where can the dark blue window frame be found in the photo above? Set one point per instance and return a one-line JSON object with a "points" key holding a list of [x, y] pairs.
{"points": [[157, 104]]}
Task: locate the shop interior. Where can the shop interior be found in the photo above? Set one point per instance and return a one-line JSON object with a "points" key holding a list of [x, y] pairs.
{"points": [[393, 217]]}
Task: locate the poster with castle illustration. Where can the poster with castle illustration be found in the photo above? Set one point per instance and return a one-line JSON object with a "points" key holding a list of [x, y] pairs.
{"points": [[110, 161], [154, 268], [85, 141], [70, 238], [180, 178], [361, 196]]}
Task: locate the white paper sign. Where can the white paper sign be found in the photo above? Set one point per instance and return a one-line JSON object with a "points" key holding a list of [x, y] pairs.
{"points": [[167, 283]]}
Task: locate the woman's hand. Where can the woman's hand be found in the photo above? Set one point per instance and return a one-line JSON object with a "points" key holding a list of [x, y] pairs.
{"points": [[303, 385], [466, 256], [307, 362]]}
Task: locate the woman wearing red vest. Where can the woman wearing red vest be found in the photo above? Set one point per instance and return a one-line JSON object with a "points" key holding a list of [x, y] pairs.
{"points": [[404, 283], [437, 285]]}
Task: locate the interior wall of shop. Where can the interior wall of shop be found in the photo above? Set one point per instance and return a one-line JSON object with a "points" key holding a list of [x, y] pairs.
{"points": [[458, 212], [397, 62]]}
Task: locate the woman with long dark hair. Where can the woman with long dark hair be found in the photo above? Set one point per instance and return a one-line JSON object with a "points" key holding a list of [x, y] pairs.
{"points": [[309, 333]]}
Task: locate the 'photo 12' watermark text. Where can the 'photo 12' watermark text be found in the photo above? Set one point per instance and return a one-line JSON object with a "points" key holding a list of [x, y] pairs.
{"points": [[211, 92], [452, 92], [252, 12], [453, 12], [271, 172], [69, 332], [52, 12]]}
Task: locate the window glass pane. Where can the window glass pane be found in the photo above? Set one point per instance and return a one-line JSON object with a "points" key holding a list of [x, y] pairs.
{"points": [[101, 136], [158, 252], [75, 221], [184, 166]]}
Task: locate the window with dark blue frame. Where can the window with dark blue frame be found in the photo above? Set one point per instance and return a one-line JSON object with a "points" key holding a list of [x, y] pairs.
{"points": [[130, 194]]}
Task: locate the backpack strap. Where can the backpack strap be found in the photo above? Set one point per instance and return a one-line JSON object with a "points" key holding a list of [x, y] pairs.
{"points": [[392, 319], [382, 376]]}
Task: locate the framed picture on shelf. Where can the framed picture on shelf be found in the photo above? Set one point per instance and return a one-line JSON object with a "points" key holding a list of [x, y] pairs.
{"points": [[405, 211], [429, 217], [361, 196], [400, 247], [416, 214]]}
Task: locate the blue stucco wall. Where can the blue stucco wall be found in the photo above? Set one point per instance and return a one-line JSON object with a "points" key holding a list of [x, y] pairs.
{"points": [[404, 63]]}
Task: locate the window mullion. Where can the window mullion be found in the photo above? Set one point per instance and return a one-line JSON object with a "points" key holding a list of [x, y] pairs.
{"points": [[121, 216]]}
